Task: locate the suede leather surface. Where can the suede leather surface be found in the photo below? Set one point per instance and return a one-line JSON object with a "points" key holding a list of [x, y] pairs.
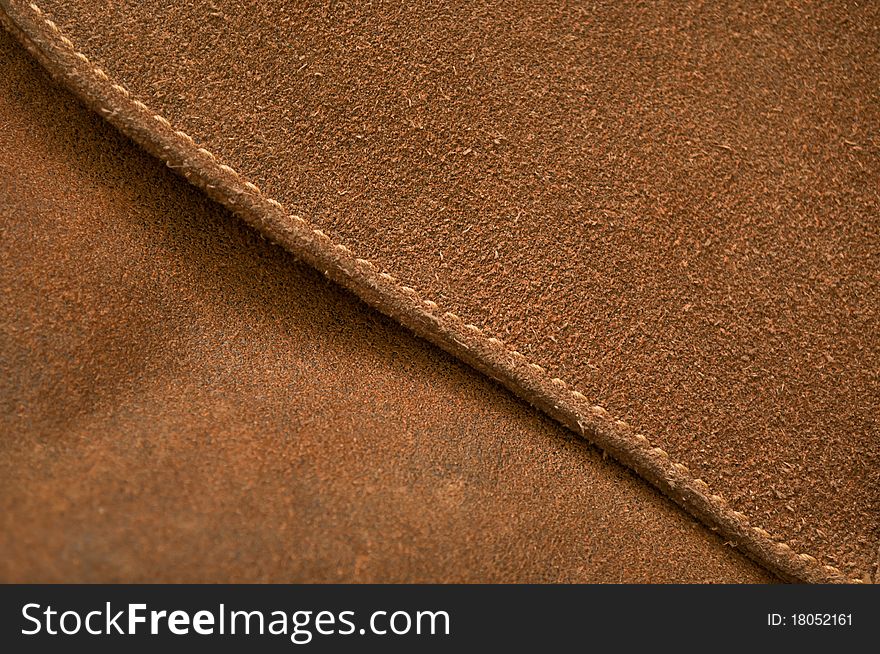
{"points": [[834, 481], [182, 401], [672, 207]]}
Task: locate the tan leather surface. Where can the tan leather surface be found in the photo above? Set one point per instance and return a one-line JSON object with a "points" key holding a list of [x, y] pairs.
{"points": [[181, 401], [672, 208]]}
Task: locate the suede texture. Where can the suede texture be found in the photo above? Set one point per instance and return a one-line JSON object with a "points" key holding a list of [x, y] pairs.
{"points": [[669, 213], [182, 401]]}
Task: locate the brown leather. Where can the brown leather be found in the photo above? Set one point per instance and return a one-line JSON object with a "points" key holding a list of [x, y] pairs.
{"points": [[667, 214], [182, 401]]}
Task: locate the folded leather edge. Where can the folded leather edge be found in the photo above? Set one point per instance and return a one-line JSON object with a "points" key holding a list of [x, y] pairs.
{"points": [[45, 41]]}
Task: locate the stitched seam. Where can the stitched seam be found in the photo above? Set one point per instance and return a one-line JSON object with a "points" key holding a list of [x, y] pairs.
{"points": [[433, 310]]}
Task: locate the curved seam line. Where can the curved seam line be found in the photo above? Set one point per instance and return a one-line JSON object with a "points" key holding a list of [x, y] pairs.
{"points": [[432, 308]]}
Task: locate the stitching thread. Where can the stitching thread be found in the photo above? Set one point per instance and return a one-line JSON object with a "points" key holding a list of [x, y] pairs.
{"points": [[432, 309]]}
